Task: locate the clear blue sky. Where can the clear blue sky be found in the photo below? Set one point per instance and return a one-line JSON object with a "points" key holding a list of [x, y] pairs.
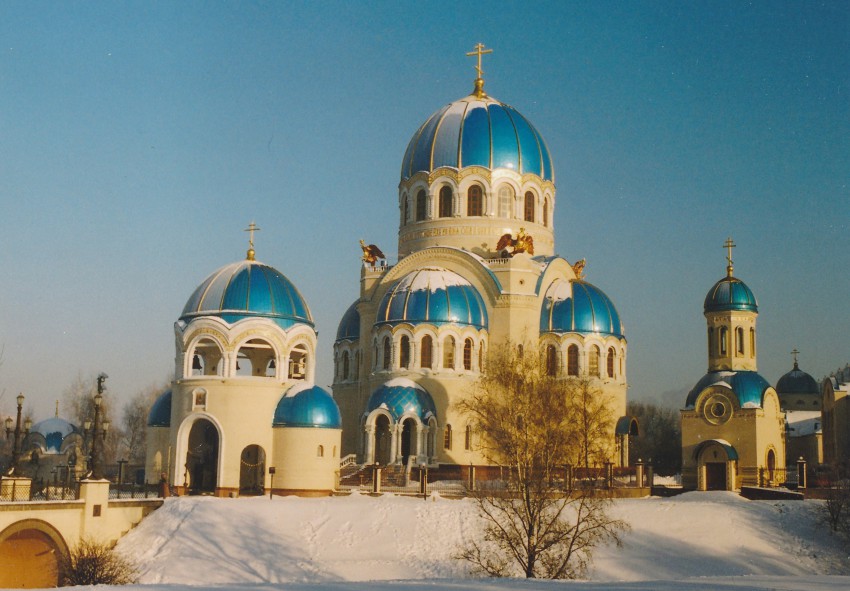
{"points": [[138, 139]]}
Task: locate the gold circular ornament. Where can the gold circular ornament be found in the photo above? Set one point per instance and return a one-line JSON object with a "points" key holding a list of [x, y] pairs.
{"points": [[717, 410]]}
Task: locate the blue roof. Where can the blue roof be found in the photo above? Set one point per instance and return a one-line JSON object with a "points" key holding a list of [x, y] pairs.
{"points": [[578, 306], [477, 131], [160, 414], [54, 430], [797, 381], [402, 396], [349, 326], [435, 296], [730, 293], [748, 387], [248, 289], [307, 406]]}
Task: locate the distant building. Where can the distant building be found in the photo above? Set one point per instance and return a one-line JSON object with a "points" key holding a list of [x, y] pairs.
{"points": [[800, 398], [836, 417], [53, 451]]}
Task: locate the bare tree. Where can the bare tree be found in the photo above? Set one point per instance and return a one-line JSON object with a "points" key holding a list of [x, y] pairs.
{"points": [[135, 419], [78, 403], [91, 562], [534, 425]]}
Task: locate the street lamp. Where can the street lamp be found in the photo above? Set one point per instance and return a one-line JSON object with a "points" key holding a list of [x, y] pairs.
{"points": [[18, 441], [98, 430]]}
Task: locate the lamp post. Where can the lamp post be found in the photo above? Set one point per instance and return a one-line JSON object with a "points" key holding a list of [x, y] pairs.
{"points": [[18, 441], [98, 430]]}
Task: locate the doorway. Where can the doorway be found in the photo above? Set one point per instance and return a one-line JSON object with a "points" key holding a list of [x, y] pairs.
{"points": [[252, 471], [202, 458], [715, 476]]}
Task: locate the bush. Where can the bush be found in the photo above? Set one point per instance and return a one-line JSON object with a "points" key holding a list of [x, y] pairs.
{"points": [[95, 563]]}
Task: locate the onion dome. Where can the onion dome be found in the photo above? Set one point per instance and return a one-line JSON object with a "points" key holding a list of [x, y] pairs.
{"points": [[160, 414], [304, 405], [435, 296], [477, 130], [748, 386], [797, 381], [400, 397], [54, 431], [349, 326], [248, 289], [730, 294], [578, 306]]}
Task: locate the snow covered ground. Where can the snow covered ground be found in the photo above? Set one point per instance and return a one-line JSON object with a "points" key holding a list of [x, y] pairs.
{"points": [[693, 541]]}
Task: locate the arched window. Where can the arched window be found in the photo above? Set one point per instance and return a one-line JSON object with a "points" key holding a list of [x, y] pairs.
{"points": [[610, 361], [593, 361], [529, 206], [298, 362], [404, 354], [446, 202], [752, 342], [723, 337], [551, 360], [447, 437], [427, 351], [345, 365], [739, 340], [467, 354], [421, 205], [506, 198], [474, 201], [467, 440], [572, 360], [387, 353], [320, 452], [449, 353]]}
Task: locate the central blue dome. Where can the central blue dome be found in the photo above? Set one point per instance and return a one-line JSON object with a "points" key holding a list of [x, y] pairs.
{"points": [[403, 396], [307, 406], [748, 386], [730, 293], [578, 306], [248, 289], [477, 131], [435, 296]]}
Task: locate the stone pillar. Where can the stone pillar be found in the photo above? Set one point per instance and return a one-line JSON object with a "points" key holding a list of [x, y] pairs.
{"points": [[609, 474], [650, 475], [802, 477], [376, 478], [95, 493], [639, 473], [395, 434], [369, 453]]}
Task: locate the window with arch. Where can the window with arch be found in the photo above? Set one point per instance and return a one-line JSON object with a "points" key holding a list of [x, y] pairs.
{"points": [[752, 342], [474, 201], [421, 205], [506, 197], [551, 360], [449, 353], [427, 351], [320, 451], [622, 355], [572, 360], [256, 358], [387, 357], [593, 361], [723, 337], [446, 202], [205, 358], [447, 437], [375, 356], [528, 207], [298, 362], [739, 340], [404, 353], [345, 365], [467, 439], [610, 361], [467, 354], [546, 212]]}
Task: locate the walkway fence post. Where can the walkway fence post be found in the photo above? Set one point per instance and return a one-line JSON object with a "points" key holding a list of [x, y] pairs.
{"points": [[802, 480]]}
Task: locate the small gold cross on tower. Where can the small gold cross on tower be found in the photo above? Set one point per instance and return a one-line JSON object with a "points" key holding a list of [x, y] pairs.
{"points": [[252, 227], [479, 81], [729, 245], [795, 352]]}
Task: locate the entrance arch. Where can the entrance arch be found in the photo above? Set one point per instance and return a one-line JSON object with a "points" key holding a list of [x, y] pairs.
{"points": [[383, 440], [202, 457], [30, 552], [252, 470], [771, 466], [716, 459], [408, 440]]}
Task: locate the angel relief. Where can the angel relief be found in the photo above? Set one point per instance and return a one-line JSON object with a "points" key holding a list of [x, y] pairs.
{"points": [[522, 243]]}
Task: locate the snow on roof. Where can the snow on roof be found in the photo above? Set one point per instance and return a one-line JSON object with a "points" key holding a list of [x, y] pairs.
{"points": [[403, 383], [803, 422]]}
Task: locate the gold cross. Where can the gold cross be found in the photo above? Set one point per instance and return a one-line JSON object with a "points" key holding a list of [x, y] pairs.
{"points": [[479, 51], [795, 352], [729, 245], [252, 227]]}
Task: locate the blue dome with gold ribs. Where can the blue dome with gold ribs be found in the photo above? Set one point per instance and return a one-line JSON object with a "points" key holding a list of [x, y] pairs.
{"points": [[435, 296], [578, 306], [349, 326], [403, 396], [748, 386], [730, 293], [248, 289], [54, 431], [160, 414], [306, 405], [477, 131]]}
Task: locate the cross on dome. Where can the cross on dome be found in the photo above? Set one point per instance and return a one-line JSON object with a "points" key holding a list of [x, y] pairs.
{"points": [[729, 245], [252, 227], [795, 352], [479, 81]]}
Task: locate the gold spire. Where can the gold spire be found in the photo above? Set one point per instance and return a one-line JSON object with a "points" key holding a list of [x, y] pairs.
{"points": [[729, 245], [478, 91], [57, 409], [252, 227]]}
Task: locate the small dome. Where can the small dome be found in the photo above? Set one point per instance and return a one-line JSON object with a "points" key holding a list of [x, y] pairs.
{"points": [[248, 289], [54, 430], [748, 386], [730, 293], [349, 326], [477, 131], [797, 381], [402, 396], [160, 414], [307, 406], [435, 296], [578, 306]]}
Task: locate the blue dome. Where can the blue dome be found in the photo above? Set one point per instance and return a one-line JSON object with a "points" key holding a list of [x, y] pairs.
{"points": [[248, 289], [797, 381], [54, 430], [435, 296], [402, 396], [577, 306], [748, 386], [307, 406], [349, 326], [477, 131], [160, 414], [730, 293]]}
